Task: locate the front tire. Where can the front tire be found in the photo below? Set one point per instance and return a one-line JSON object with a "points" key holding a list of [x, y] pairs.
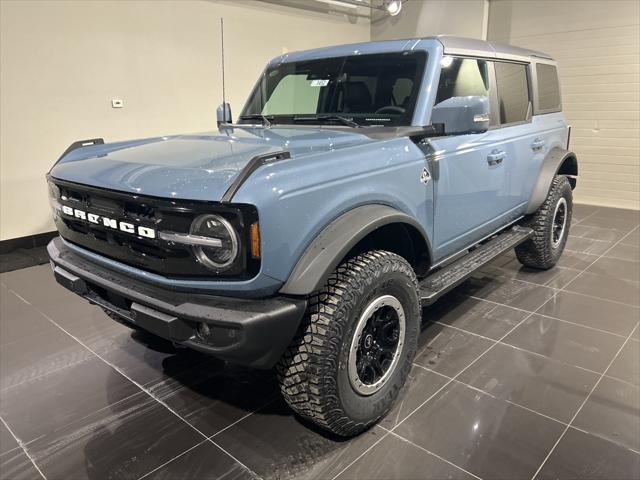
{"points": [[353, 352], [550, 224]]}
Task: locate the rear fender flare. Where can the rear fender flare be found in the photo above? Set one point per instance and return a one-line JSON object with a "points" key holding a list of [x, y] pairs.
{"points": [[558, 160], [325, 252]]}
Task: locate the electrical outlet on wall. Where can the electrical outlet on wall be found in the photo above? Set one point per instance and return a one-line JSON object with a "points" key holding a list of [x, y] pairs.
{"points": [[117, 103]]}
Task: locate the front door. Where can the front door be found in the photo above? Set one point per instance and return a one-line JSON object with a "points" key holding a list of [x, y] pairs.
{"points": [[472, 171], [469, 200]]}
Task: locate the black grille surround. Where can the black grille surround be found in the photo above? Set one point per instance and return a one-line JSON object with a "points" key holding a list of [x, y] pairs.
{"points": [[162, 214]]}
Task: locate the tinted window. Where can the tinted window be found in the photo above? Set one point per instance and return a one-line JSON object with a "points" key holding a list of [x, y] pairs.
{"points": [[379, 89], [548, 88], [513, 92], [461, 77]]}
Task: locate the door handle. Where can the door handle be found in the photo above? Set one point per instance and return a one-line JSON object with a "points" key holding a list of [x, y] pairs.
{"points": [[495, 157], [537, 144]]}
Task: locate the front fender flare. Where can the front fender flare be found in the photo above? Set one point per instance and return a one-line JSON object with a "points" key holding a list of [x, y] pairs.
{"points": [[551, 166], [325, 252]]}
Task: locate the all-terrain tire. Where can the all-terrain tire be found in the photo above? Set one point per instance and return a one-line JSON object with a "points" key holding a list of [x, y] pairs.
{"points": [[540, 251], [313, 372]]}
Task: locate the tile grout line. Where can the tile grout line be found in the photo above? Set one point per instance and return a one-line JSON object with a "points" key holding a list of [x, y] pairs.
{"points": [[21, 445], [599, 298], [590, 239], [243, 417], [475, 360], [584, 402], [588, 216], [558, 290], [430, 397], [491, 395], [573, 427], [601, 255], [210, 439], [533, 353], [429, 452], [38, 377], [141, 387], [172, 459], [599, 330], [567, 291], [389, 431]]}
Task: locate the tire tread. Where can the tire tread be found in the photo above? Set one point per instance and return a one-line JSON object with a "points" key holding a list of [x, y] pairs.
{"points": [[304, 371]]}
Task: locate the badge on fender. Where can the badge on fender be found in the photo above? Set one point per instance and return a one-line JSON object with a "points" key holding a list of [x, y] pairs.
{"points": [[425, 176]]}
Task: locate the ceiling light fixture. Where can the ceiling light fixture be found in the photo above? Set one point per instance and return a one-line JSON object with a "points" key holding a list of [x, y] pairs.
{"points": [[393, 7], [338, 3]]}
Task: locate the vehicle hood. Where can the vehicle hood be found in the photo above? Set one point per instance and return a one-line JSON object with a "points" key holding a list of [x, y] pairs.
{"points": [[196, 167]]}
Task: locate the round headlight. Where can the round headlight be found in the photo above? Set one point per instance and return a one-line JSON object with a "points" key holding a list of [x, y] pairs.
{"points": [[54, 195], [214, 226]]}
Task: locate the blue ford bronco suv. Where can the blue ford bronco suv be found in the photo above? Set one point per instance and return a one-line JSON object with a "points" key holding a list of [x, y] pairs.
{"points": [[359, 184]]}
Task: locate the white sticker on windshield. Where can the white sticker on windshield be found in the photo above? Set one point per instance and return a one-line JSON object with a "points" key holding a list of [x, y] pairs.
{"points": [[319, 83]]}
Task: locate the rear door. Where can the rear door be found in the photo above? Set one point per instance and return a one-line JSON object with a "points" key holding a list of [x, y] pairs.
{"points": [[521, 138]]}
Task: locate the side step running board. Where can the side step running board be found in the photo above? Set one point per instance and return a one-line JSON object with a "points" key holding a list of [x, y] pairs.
{"points": [[439, 283]]}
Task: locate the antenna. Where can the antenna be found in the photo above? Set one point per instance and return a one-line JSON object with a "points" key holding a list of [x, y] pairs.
{"points": [[224, 101]]}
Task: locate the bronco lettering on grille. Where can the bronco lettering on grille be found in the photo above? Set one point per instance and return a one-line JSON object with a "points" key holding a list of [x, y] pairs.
{"points": [[111, 223]]}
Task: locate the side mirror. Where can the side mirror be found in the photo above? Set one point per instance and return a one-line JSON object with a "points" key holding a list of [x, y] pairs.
{"points": [[462, 114], [223, 114]]}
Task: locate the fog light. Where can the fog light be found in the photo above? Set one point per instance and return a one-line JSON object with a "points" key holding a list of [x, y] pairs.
{"points": [[216, 336]]}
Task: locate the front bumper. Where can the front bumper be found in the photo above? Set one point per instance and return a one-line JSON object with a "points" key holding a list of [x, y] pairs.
{"points": [[246, 331]]}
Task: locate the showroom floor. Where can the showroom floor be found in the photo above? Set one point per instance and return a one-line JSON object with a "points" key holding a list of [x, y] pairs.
{"points": [[520, 374]]}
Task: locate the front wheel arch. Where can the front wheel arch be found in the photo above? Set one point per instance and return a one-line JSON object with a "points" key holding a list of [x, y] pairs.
{"points": [[348, 235]]}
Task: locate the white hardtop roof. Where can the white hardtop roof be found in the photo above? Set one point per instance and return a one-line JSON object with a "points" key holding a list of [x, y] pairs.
{"points": [[471, 46], [452, 46]]}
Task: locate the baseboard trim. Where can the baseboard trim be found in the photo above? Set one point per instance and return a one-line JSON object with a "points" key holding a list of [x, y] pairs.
{"points": [[30, 241]]}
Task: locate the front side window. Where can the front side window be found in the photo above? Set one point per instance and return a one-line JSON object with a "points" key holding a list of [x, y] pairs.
{"points": [[548, 88], [513, 92], [461, 77], [379, 89]]}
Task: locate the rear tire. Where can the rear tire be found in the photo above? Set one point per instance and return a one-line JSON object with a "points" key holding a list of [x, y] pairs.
{"points": [[550, 224], [354, 349]]}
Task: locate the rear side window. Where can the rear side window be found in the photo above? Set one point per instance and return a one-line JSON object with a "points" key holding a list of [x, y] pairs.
{"points": [[548, 88], [513, 92]]}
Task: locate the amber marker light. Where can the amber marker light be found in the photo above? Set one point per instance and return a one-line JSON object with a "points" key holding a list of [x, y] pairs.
{"points": [[254, 231]]}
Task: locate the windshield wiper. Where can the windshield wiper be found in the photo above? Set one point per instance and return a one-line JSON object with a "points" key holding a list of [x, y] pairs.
{"points": [[327, 118], [257, 116]]}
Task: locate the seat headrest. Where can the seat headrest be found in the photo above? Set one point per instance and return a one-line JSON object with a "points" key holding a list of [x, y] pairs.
{"points": [[357, 97]]}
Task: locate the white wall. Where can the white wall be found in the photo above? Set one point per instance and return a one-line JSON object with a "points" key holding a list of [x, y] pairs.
{"points": [[61, 63], [597, 45], [423, 18]]}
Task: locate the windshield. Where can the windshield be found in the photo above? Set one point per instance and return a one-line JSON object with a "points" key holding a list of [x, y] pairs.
{"points": [[378, 89]]}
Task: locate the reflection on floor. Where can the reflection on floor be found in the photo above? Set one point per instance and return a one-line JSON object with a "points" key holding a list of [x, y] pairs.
{"points": [[520, 375]]}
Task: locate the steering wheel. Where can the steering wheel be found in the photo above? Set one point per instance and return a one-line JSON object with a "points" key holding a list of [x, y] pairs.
{"points": [[391, 109]]}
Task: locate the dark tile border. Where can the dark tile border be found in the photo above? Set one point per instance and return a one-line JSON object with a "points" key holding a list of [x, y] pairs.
{"points": [[30, 241]]}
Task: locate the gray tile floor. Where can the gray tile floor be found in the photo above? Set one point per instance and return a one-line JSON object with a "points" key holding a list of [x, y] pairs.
{"points": [[520, 375]]}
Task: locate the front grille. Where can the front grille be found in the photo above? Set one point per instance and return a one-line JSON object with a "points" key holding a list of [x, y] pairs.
{"points": [[150, 254]]}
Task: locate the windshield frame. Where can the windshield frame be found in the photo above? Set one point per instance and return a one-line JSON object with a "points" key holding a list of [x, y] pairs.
{"points": [[291, 119]]}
